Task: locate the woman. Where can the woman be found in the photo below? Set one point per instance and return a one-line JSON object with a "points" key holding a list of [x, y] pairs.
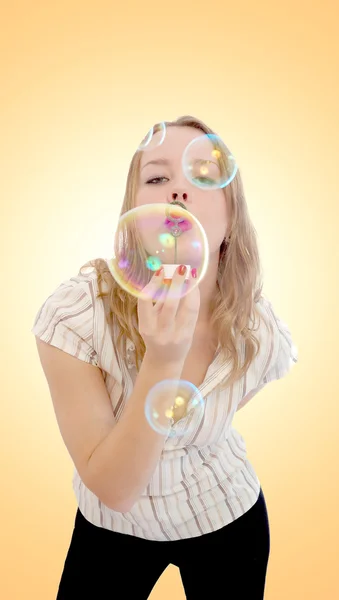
{"points": [[145, 499]]}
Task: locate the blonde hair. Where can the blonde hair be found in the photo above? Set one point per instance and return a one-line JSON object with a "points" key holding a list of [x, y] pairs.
{"points": [[239, 283]]}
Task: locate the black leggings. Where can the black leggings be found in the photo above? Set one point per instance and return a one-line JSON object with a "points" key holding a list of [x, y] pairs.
{"points": [[226, 564]]}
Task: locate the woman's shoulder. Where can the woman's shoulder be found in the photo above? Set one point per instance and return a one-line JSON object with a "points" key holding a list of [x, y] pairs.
{"points": [[278, 352], [72, 317], [84, 284]]}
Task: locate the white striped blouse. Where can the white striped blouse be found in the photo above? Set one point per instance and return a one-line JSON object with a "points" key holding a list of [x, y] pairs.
{"points": [[203, 480]]}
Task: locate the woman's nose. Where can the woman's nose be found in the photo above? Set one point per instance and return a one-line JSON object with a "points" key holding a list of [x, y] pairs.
{"points": [[178, 196]]}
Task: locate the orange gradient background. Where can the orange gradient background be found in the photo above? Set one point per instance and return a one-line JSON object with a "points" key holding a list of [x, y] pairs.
{"points": [[80, 84]]}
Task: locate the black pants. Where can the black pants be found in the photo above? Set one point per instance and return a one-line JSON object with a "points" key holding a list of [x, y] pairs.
{"points": [[228, 564]]}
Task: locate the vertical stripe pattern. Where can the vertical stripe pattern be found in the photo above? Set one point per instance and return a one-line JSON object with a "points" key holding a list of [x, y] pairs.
{"points": [[203, 480]]}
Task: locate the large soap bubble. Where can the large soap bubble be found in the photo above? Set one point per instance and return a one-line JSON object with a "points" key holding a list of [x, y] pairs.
{"points": [[157, 235]]}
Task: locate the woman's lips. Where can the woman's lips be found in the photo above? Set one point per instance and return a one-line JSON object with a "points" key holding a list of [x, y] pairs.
{"points": [[183, 224]]}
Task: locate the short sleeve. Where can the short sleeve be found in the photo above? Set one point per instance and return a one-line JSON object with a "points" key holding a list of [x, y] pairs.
{"points": [[284, 353], [278, 352], [65, 320]]}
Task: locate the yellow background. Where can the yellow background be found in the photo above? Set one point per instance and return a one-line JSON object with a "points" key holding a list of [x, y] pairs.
{"points": [[80, 84]]}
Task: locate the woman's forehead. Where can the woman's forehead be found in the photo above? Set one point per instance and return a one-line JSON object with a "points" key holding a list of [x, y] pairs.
{"points": [[174, 144]]}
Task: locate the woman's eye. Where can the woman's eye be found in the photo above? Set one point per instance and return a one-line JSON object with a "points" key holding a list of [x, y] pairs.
{"points": [[156, 179]]}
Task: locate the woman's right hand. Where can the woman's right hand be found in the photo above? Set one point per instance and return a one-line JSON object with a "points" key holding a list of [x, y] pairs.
{"points": [[167, 327]]}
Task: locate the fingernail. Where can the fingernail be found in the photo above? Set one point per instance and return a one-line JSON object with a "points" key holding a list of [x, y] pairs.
{"points": [[158, 271], [182, 270], [194, 273]]}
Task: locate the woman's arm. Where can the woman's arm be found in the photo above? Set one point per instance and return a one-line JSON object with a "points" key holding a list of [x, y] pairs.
{"points": [[115, 460]]}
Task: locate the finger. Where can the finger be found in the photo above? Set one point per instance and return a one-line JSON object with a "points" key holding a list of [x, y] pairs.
{"points": [[160, 298], [148, 293], [173, 298], [189, 306]]}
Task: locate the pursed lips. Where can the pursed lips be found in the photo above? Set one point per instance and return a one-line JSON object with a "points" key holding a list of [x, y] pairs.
{"points": [[183, 224]]}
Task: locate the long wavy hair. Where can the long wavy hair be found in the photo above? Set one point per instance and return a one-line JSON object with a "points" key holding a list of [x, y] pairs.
{"points": [[239, 279]]}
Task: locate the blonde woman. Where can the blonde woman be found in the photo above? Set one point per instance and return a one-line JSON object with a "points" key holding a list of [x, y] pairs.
{"points": [[146, 500]]}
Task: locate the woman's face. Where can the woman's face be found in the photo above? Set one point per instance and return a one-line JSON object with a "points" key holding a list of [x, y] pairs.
{"points": [[162, 180]]}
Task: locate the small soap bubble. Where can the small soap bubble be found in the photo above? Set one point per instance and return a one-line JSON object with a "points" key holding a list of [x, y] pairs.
{"points": [[152, 236], [174, 401], [207, 163], [154, 137]]}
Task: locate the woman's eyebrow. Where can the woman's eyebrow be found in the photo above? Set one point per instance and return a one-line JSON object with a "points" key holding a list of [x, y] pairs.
{"points": [[157, 161], [165, 161]]}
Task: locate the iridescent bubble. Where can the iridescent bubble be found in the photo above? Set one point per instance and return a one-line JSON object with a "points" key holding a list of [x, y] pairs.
{"points": [[207, 163], [154, 137], [173, 407], [157, 235]]}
